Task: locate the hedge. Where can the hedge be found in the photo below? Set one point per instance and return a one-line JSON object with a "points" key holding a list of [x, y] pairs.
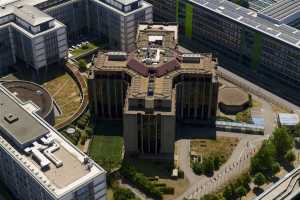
{"points": [[141, 181]]}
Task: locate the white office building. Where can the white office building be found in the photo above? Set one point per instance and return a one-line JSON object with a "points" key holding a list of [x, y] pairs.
{"points": [[37, 162]]}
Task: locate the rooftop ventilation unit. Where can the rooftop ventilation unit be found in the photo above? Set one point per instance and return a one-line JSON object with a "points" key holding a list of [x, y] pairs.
{"points": [[191, 58], [11, 118], [117, 56]]}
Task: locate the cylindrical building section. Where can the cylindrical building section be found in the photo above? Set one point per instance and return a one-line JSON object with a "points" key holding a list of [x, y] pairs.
{"points": [[32, 92]]}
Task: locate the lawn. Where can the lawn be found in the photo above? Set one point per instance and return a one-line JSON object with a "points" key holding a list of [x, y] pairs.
{"points": [[83, 49], [107, 145], [222, 146], [66, 93]]}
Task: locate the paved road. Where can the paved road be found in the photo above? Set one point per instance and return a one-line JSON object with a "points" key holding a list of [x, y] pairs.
{"points": [[237, 163]]}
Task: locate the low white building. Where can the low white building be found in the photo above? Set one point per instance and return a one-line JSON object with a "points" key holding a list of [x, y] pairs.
{"points": [[287, 119]]}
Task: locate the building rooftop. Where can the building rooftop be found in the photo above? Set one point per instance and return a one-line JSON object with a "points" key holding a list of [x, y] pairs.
{"points": [[252, 20], [284, 11], [32, 15], [232, 96], [19, 126], [51, 160], [287, 119], [31, 92]]}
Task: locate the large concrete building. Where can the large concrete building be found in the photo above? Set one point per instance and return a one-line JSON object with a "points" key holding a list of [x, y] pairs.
{"points": [[153, 88], [34, 33], [116, 21], [29, 36], [259, 46], [37, 162]]}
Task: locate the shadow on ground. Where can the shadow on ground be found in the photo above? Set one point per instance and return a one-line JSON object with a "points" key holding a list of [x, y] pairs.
{"points": [[195, 132], [257, 191]]}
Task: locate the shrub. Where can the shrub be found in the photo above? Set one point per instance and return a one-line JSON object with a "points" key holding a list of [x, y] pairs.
{"points": [[240, 191], [197, 168], [84, 46], [217, 162], [82, 65], [244, 116], [82, 123], [160, 184], [290, 156], [259, 179], [167, 190], [89, 132], [140, 181], [275, 167], [123, 194]]}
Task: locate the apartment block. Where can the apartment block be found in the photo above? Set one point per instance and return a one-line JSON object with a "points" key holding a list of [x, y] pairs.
{"points": [[154, 88], [37, 162]]}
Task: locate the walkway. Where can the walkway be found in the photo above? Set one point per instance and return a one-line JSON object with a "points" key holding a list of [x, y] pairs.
{"points": [[136, 191], [237, 164]]}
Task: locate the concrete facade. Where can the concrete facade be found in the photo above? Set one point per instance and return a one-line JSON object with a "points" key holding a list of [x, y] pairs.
{"points": [[153, 88]]}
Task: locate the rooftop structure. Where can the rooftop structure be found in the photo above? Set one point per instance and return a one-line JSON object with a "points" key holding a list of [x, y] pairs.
{"points": [[45, 157], [258, 5], [150, 89], [282, 12]]}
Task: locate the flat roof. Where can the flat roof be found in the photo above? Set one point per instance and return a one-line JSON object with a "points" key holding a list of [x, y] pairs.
{"points": [[32, 15], [249, 18], [126, 2], [288, 119], [282, 10], [22, 128], [58, 181], [29, 91]]}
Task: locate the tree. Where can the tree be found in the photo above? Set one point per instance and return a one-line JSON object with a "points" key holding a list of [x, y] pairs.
{"points": [[217, 162], [290, 156], [208, 165], [275, 167], [282, 141], [259, 179], [228, 192], [264, 160], [197, 168], [82, 65], [240, 191]]}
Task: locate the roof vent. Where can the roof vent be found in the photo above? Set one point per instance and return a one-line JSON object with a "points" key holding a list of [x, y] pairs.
{"points": [[39, 92], [10, 118]]}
